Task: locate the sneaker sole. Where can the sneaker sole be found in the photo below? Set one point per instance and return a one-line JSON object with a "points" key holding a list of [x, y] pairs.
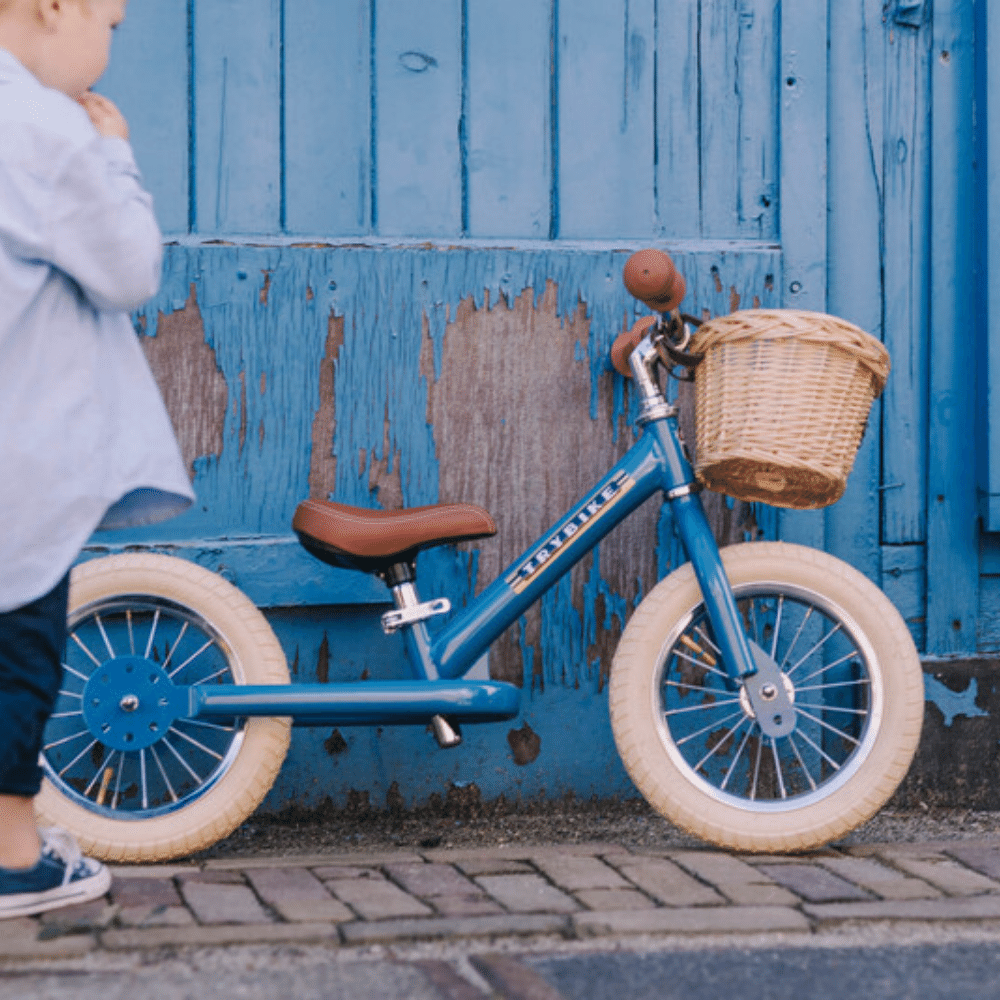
{"points": [[28, 904]]}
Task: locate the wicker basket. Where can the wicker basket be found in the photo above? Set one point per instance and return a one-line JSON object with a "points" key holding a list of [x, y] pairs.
{"points": [[781, 402]]}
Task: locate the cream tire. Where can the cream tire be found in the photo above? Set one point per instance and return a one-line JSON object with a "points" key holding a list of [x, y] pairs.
{"points": [[147, 605], [841, 764]]}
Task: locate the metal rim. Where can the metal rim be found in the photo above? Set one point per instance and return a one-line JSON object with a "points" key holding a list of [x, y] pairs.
{"points": [[189, 759], [716, 743]]}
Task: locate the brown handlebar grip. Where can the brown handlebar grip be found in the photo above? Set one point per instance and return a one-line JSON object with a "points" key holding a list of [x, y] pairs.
{"points": [[651, 277], [625, 343]]}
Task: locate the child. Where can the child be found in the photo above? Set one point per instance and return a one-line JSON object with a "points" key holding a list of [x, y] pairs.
{"points": [[85, 441]]}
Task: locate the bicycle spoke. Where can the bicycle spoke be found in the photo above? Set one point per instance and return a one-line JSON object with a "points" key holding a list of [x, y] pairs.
{"points": [[71, 694], [142, 774], [709, 728], [802, 625], [194, 742], [777, 767], [90, 746], [836, 628], [131, 635], [820, 751], [99, 772], [701, 708], [861, 681], [211, 677], [65, 715], [66, 739], [118, 782], [104, 636], [802, 763], [208, 725], [152, 633], [711, 753], [777, 626], [756, 767], [829, 666], [688, 687], [739, 753], [95, 660], [187, 767], [163, 774], [193, 656], [703, 635], [699, 663], [826, 725], [173, 648]]}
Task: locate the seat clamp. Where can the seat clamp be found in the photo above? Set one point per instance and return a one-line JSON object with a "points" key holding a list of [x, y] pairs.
{"points": [[393, 621]]}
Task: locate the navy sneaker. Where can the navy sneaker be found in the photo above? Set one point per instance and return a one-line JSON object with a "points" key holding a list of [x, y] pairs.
{"points": [[62, 877]]}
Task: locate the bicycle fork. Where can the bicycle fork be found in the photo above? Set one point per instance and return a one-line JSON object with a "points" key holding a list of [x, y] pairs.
{"points": [[745, 663]]}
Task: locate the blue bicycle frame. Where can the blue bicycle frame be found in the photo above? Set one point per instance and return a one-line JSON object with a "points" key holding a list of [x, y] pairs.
{"points": [[655, 463]]}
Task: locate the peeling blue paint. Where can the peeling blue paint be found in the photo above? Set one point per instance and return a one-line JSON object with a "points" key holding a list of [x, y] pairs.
{"points": [[953, 703]]}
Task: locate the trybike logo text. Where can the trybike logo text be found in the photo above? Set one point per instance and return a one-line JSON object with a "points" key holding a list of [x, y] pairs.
{"points": [[586, 516]]}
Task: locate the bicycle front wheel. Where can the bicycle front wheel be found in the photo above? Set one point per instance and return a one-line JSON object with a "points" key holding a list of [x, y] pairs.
{"points": [[688, 736], [129, 780]]}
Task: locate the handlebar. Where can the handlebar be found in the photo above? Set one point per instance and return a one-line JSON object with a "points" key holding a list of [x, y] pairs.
{"points": [[651, 277]]}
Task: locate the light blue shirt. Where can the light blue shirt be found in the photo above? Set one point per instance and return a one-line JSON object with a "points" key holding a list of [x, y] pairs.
{"points": [[85, 440]]}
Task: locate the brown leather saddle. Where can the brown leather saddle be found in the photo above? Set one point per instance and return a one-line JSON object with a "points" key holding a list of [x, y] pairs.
{"points": [[374, 541]]}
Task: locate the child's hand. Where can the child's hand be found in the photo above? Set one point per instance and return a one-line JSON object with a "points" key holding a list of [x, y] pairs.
{"points": [[107, 119]]}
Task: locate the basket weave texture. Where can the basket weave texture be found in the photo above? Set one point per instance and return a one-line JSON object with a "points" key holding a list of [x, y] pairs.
{"points": [[781, 402]]}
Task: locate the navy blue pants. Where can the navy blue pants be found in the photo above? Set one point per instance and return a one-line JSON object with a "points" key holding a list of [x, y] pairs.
{"points": [[32, 642]]}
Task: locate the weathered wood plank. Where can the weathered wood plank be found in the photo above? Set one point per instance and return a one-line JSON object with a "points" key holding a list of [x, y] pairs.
{"points": [[148, 79], [509, 119], [804, 88], [237, 125], [418, 108], [907, 155], [678, 150], [990, 88], [952, 535], [739, 96], [273, 571], [857, 63], [327, 114], [904, 580], [606, 169]]}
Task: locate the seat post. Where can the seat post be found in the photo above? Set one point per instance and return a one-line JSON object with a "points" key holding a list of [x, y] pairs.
{"points": [[401, 580]]}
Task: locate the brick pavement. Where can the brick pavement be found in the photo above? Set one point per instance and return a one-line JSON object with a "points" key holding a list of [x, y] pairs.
{"points": [[575, 891]]}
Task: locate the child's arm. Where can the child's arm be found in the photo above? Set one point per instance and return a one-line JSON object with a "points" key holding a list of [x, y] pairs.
{"points": [[104, 234]]}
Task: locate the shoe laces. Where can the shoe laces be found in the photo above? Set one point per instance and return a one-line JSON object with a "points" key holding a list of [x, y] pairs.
{"points": [[61, 844]]}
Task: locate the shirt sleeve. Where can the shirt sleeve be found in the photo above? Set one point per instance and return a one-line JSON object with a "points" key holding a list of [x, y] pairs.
{"points": [[102, 231]]}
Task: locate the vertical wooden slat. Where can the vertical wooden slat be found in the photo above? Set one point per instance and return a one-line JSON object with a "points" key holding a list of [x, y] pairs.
{"points": [[678, 151], [148, 80], [327, 100], [907, 218], [803, 197], [952, 537], [738, 55], [991, 477], [855, 245], [418, 67], [606, 165], [237, 98], [509, 66]]}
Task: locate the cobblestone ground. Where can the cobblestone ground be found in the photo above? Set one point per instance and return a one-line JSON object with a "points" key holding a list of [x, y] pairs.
{"points": [[577, 891]]}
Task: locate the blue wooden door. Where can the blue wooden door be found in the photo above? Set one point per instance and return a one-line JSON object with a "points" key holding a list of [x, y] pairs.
{"points": [[396, 239]]}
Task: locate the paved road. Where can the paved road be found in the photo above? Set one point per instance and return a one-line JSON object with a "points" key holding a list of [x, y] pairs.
{"points": [[529, 923]]}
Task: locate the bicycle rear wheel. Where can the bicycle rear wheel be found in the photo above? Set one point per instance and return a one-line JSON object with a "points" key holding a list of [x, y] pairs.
{"points": [[689, 739], [131, 781]]}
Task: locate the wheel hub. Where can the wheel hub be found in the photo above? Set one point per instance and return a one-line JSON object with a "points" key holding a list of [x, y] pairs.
{"points": [[129, 703]]}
